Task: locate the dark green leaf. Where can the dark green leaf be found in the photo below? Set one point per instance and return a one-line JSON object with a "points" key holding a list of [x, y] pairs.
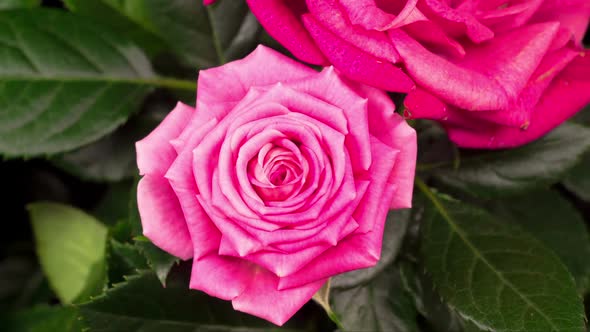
{"points": [[493, 273], [134, 220], [71, 250], [578, 179], [159, 261], [112, 158], [427, 301], [379, 305], [43, 319], [201, 36], [395, 229], [498, 173], [113, 207], [124, 259], [105, 12], [551, 219], [64, 81], [142, 304], [235, 37], [10, 4]]}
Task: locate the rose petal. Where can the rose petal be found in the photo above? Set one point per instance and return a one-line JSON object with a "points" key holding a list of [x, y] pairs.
{"points": [[283, 24], [567, 94], [355, 63], [370, 16], [205, 236], [162, 218], [155, 153], [263, 299], [571, 14], [376, 43], [330, 87], [222, 87], [222, 277], [489, 76]]}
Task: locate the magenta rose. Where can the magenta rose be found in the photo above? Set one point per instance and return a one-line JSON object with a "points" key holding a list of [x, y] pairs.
{"points": [[279, 178], [496, 74]]}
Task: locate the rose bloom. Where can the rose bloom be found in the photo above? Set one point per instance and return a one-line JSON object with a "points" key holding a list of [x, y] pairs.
{"points": [[279, 178], [495, 73]]}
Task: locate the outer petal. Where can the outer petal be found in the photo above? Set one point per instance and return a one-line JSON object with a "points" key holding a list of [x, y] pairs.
{"points": [[221, 88], [283, 24], [489, 77], [205, 236], [567, 94], [162, 218], [392, 130], [572, 14], [356, 63], [330, 15], [222, 277], [155, 153], [263, 299]]}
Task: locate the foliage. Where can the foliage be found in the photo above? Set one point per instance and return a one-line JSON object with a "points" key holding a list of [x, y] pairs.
{"points": [[495, 241]]}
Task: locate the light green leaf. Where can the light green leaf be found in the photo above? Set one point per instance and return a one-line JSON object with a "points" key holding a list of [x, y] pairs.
{"points": [[551, 218], [493, 273], [538, 164], [395, 229], [65, 81], [142, 304], [71, 249], [381, 305], [10, 4], [42, 319]]}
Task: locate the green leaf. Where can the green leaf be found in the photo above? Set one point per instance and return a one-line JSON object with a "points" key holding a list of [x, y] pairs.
{"points": [[578, 179], [103, 12], [538, 164], [233, 38], [113, 207], [64, 81], [43, 319], [395, 229], [551, 218], [493, 273], [427, 301], [10, 4], [159, 261], [112, 158], [201, 36], [142, 304], [71, 249], [379, 305], [124, 259]]}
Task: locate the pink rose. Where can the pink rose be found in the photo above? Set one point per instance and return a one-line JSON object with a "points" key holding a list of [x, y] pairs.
{"points": [[496, 74], [280, 178]]}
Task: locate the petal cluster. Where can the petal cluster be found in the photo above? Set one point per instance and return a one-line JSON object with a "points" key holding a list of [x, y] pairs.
{"points": [[495, 73], [279, 178]]}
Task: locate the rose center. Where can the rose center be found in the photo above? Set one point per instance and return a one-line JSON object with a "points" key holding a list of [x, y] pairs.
{"points": [[276, 172]]}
